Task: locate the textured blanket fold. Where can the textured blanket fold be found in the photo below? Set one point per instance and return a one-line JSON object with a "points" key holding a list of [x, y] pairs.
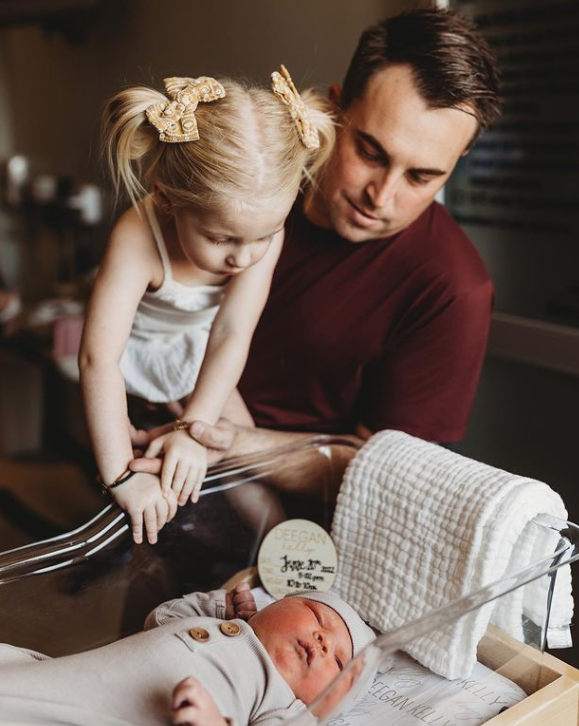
{"points": [[418, 526]]}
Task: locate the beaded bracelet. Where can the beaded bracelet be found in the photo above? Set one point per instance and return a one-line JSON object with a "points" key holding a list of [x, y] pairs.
{"points": [[117, 482], [180, 425]]}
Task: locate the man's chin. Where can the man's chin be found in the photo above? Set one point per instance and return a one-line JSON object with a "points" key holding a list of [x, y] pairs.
{"points": [[354, 234]]}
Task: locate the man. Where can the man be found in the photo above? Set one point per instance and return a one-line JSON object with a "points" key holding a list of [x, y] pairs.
{"points": [[380, 305]]}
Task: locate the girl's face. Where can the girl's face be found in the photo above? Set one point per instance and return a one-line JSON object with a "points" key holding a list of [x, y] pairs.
{"points": [[307, 641], [226, 243]]}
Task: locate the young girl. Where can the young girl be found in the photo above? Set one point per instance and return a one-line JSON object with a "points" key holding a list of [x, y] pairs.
{"points": [[212, 168]]}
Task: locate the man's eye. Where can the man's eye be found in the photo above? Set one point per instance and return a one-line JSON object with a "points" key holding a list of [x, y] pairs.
{"points": [[419, 179], [368, 152]]}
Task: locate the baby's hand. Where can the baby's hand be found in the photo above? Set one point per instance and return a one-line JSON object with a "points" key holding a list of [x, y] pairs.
{"points": [[240, 602], [142, 499], [184, 464], [193, 705]]}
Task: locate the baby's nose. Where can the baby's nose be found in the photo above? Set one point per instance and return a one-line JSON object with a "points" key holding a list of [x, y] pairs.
{"points": [[325, 641]]}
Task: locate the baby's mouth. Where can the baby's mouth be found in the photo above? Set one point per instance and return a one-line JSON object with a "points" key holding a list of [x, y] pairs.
{"points": [[307, 650]]}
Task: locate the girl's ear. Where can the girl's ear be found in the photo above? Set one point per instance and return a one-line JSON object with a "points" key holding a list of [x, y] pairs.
{"points": [[162, 199]]}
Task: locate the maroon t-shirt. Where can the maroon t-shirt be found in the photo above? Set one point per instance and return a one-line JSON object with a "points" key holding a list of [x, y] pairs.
{"points": [[389, 333]]}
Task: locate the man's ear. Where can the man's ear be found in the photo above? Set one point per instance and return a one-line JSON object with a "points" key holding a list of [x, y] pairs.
{"points": [[335, 95]]}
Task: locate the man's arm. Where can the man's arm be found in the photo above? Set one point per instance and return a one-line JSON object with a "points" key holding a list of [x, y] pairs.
{"points": [[226, 440]]}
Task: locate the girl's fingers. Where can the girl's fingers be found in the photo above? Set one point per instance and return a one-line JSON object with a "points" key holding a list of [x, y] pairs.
{"points": [[137, 526], [167, 473], [180, 478], [172, 506], [150, 518], [200, 476], [162, 512], [188, 487]]}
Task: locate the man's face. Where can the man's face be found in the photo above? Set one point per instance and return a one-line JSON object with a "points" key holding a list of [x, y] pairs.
{"points": [[392, 156]]}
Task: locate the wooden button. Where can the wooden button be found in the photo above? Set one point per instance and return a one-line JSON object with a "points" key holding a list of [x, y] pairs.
{"points": [[199, 634], [229, 628]]}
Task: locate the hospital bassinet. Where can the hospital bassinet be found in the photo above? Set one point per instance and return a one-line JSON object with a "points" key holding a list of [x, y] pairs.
{"points": [[91, 586]]}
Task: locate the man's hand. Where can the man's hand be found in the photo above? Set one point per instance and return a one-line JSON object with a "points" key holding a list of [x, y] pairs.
{"points": [[217, 439], [240, 602], [193, 705]]}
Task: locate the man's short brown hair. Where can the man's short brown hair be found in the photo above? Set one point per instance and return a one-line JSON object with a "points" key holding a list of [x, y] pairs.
{"points": [[452, 63]]}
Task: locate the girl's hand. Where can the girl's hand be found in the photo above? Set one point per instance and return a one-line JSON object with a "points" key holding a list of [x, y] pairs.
{"points": [[184, 464], [142, 499], [240, 602], [193, 705]]}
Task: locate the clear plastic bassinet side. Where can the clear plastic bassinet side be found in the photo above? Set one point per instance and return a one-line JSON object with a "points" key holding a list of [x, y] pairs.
{"points": [[512, 676], [92, 586]]}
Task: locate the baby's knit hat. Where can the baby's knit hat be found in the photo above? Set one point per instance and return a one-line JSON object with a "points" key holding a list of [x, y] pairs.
{"points": [[360, 633]]}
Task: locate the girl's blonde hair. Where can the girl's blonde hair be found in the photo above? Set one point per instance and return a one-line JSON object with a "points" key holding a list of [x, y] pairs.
{"points": [[249, 152]]}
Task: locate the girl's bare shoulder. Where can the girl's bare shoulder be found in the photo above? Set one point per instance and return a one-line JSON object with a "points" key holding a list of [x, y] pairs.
{"points": [[132, 237]]}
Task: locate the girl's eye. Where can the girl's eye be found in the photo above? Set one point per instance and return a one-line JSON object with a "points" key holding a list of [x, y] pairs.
{"points": [[217, 240]]}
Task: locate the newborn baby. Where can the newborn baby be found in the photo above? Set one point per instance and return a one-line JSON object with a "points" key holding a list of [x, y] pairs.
{"points": [[247, 666]]}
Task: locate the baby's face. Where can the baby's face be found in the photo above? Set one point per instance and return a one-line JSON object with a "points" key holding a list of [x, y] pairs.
{"points": [[308, 643]]}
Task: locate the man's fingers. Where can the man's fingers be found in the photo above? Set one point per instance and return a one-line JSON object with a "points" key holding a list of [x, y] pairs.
{"points": [[149, 466], [211, 436], [154, 448], [160, 430], [138, 436]]}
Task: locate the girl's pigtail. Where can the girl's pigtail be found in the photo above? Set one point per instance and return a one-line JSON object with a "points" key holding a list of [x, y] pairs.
{"points": [[323, 119], [128, 138]]}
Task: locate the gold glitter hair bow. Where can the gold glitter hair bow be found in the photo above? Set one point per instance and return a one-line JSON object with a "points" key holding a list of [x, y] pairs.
{"points": [[175, 121], [284, 88]]}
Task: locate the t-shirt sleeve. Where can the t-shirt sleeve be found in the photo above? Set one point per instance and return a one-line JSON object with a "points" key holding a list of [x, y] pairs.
{"points": [[210, 604], [425, 381]]}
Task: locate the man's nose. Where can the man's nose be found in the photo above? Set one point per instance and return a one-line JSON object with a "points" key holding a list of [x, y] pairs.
{"points": [[381, 189]]}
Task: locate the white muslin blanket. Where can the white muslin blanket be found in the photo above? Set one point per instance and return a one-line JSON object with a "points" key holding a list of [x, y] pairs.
{"points": [[418, 526]]}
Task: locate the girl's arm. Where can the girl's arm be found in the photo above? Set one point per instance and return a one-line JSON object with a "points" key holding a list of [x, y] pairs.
{"points": [[230, 337], [223, 364], [127, 269]]}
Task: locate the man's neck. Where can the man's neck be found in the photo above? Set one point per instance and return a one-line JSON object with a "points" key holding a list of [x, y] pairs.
{"points": [[315, 209]]}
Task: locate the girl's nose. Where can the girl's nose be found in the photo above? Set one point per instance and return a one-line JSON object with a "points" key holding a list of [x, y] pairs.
{"points": [[240, 258]]}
